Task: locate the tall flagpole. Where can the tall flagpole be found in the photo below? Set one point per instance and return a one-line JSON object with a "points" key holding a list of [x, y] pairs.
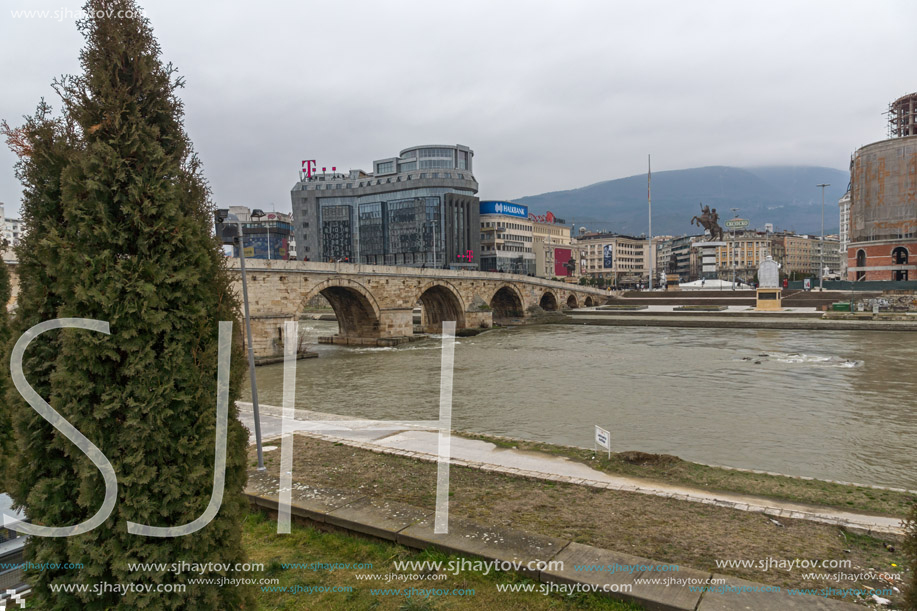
{"points": [[649, 202]]}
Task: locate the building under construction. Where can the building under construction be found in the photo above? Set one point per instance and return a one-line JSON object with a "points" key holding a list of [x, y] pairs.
{"points": [[902, 116], [883, 201]]}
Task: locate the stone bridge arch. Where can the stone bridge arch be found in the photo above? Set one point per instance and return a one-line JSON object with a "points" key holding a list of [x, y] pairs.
{"points": [[440, 301], [355, 307], [548, 301], [589, 301], [571, 302], [507, 304]]}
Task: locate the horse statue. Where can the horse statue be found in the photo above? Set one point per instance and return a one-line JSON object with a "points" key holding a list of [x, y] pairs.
{"points": [[708, 220]]}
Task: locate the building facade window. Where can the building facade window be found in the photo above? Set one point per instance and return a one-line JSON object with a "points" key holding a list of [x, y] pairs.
{"points": [[427, 164]]}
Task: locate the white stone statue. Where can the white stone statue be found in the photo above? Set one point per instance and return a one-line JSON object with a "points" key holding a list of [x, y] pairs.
{"points": [[769, 274]]}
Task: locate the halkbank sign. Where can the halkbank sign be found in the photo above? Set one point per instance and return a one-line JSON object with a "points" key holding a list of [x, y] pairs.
{"points": [[507, 208]]}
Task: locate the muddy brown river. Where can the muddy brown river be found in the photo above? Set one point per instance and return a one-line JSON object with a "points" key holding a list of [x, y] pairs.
{"points": [[827, 404]]}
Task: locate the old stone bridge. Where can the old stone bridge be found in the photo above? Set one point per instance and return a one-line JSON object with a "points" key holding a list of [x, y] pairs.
{"points": [[374, 304]]}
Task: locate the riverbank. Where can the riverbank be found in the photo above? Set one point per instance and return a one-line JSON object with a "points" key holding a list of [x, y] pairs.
{"points": [[688, 534], [737, 317], [665, 468], [729, 317], [854, 506]]}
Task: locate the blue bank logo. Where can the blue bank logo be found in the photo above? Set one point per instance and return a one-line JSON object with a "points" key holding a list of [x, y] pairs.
{"points": [[506, 208]]}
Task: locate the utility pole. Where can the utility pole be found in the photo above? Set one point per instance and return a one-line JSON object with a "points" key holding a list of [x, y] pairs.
{"points": [[221, 216], [821, 246], [649, 203]]}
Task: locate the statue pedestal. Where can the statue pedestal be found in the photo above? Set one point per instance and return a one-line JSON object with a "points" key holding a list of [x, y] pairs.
{"points": [[708, 257], [671, 282], [769, 300]]}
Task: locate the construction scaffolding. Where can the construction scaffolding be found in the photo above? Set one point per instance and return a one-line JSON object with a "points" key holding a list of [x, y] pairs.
{"points": [[902, 116]]}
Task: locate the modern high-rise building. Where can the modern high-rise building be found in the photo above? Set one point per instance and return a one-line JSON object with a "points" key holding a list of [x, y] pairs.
{"points": [[416, 209]]}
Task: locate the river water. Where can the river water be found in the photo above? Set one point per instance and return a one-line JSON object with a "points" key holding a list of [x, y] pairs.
{"points": [[827, 404]]}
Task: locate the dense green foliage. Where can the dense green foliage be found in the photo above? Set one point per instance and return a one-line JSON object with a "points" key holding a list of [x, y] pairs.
{"points": [[118, 218], [6, 433]]}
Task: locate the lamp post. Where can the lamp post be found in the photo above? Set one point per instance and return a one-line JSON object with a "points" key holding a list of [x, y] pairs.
{"points": [[735, 254], [821, 246], [222, 216], [433, 223], [649, 203]]}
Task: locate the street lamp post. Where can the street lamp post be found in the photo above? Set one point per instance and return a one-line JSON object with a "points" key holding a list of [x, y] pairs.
{"points": [[821, 246], [232, 218], [433, 223], [735, 254]]}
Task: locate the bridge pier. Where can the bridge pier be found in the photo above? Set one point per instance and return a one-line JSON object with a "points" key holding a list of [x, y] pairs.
{"points": [[394, 326], [267, 335], [479, 320]]}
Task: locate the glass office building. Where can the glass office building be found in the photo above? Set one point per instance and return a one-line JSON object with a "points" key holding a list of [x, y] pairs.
{"points": [[417, 209]]}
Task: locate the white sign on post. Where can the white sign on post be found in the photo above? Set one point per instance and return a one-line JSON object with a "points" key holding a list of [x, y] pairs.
{"points": [[603, 439]]}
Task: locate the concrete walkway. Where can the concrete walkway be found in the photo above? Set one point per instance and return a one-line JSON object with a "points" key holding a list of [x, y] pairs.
{"points": [[730, 309], [420, 441]]}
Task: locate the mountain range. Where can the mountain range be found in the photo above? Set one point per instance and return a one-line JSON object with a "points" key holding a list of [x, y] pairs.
{"points": [[786, 196]]}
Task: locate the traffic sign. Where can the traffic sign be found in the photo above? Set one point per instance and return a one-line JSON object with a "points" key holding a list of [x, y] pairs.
{"points": [[736, 223]]}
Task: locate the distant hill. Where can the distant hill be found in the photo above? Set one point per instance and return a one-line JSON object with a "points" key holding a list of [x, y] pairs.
{"points": [[783, 195]]}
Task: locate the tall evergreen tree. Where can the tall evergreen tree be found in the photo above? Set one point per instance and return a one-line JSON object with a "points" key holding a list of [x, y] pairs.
{"points": [[44, 146], [121, 218], [6, 431]]}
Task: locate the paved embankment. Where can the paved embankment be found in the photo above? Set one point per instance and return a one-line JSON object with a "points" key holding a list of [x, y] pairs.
{"points": [[790, 298], [666, 316]]}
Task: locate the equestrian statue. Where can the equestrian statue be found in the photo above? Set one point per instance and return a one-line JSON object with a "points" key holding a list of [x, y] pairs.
{"points": [[708, 220]]}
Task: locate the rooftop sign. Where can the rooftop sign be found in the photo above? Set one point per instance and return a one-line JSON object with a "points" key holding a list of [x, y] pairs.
{"points": [[507, 208]]}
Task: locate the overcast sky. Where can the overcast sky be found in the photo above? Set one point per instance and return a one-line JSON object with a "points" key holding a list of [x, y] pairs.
{"points": [[549, 95]]}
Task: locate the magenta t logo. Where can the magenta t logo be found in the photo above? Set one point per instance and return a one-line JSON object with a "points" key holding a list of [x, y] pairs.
{"points": [[308, 166]]}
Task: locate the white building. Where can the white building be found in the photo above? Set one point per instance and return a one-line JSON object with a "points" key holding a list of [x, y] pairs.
{"points": [[11, 228], [844, 204], [507, 234]]}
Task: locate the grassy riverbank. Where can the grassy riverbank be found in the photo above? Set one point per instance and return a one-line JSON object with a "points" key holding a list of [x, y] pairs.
{"points": [[663, 529], [307, 546], [673, 470]]}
